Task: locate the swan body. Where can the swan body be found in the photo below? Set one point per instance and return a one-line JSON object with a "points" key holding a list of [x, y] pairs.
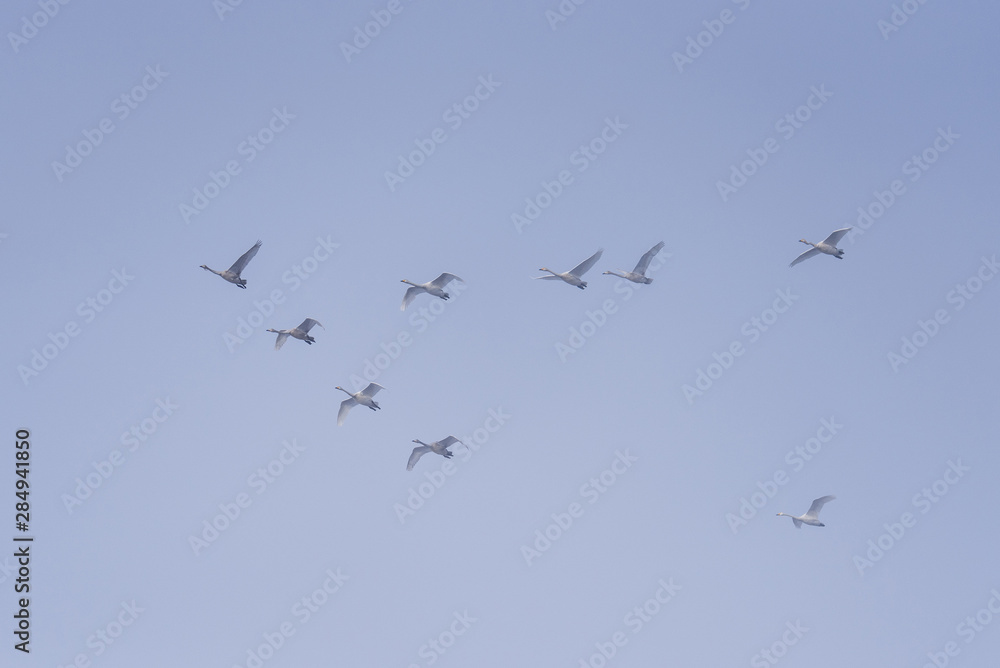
{"points": [[364, 397], [437, 447], [811, 516], [233, 273], [638, 275], [301, 333], [435, 287], [573, 275], [828, 246]]}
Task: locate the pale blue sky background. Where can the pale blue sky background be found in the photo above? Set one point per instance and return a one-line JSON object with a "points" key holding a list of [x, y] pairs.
{"points": [[494, 345]]}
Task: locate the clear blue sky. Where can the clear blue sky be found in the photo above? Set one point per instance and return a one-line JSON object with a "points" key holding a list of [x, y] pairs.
{"points": [[489, 140]]}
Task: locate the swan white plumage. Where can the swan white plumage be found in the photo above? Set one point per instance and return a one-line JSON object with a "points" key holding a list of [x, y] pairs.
{"points": [[435, 287], [811, 517], [573, 275], [364, 397], [301, 332], [638, 275], [437, 447], [828, 246], [233, 273]]}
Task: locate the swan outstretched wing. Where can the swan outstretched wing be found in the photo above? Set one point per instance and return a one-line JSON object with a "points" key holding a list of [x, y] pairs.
{"points": [[646, 258], [372, 389], [548, 277], [836, 236], [411, 293], [240, 264], [417, 453], [805, 256], [584, 267], [444, 279], [817, 505], [280, 341], [449, 441], [797, 522], [307, 324], [345, 406]]}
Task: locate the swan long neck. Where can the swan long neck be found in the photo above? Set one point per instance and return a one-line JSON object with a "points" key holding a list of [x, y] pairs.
{"points": [[344, 391]]}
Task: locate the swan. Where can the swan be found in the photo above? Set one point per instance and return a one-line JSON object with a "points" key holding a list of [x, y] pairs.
{"points": [[828, 246], [233, 273], [364, 397], [811, 516], [301, 332], [638, 275], [573, 275], [434, 287], [437, 447]]}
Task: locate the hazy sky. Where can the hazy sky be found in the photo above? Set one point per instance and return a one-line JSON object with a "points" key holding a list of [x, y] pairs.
{"points": [[193, 501]]}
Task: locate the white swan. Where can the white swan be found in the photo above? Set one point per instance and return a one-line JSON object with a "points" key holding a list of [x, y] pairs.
{"points": [[573, 275], [301, 333], [364, 397], [638, 275], [437, 447], [811, 516], [434, 287], [233, 273], [828, 246]]}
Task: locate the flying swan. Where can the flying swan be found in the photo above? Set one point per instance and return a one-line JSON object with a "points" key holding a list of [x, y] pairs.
{"points": [[364, 397], [437, 447], [812, 515], [638, 275], [301, 333], [573, 275], [233, 273], [435, 287], [828, 246]]}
